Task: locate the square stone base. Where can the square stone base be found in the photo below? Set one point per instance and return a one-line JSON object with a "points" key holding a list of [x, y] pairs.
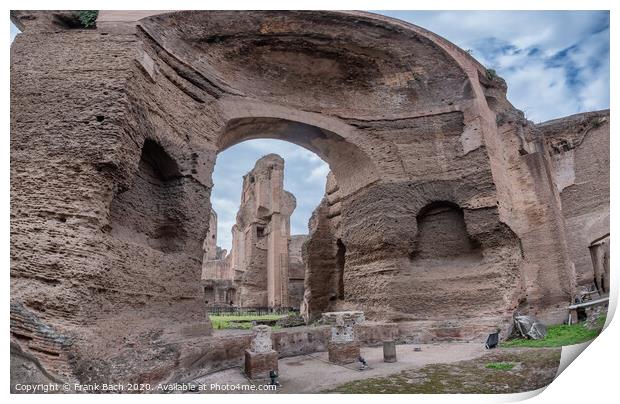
{"points": [[258, 365], [343, 352]]}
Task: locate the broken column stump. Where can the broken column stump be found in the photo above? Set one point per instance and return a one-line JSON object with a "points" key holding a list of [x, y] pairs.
{"points": [[260, 359], [389, 351]]}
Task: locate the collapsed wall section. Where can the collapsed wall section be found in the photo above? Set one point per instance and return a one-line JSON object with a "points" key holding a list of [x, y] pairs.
{"points": [[296, 271], [578, 150], [256, 272]]}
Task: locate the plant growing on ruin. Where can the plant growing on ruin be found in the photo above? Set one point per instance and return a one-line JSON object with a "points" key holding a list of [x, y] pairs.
{"points": [[88, 18], [491, 74], [597, 122]]}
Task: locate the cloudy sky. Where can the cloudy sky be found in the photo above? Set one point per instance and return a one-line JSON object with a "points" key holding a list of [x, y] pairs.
{"points": [[556, 63]]}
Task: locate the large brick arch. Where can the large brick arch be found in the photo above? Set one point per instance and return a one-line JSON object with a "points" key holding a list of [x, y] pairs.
{"points": [[402, 116]]}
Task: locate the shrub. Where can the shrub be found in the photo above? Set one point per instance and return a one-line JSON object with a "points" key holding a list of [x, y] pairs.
{"points": [[88, 18], [491, 74]]}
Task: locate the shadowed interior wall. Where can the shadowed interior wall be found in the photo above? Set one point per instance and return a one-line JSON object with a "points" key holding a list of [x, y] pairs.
{"points": [[149, 211], [442, 236]]}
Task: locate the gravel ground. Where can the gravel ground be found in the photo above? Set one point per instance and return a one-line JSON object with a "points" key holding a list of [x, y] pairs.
{"points": [[313, 373]]}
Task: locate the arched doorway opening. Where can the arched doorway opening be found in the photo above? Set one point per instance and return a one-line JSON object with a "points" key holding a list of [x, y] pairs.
{"points": [[264, 194], [351, 169]]}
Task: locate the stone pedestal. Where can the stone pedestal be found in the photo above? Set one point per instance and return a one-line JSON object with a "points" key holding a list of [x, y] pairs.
{"points": [[343, 347], [260, 358], [343, 352], [342, 323], [258, 364], [389, 351]]}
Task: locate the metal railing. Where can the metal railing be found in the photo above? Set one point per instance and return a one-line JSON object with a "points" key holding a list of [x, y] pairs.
{"points": [[248, 311]]}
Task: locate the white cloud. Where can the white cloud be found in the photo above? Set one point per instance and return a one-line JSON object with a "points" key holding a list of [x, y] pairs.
{"points": [[224, 205], [544, 98], [555, 63], [318, 174]]}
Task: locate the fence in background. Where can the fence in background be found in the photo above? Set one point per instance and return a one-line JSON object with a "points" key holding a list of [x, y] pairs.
{"points": [[248, 311]]}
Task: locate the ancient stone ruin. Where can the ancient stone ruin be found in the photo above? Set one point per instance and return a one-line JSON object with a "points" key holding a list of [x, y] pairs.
{"points": [[343, 345], [446, 210], [260, 359], [257, 272]]}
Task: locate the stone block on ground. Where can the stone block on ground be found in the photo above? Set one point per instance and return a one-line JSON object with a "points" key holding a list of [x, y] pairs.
{"points": [[389, 351], [343, 353], [258, 364]]}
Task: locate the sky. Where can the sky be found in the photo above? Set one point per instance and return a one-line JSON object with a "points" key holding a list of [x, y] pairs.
{"points": [[556, 63]]}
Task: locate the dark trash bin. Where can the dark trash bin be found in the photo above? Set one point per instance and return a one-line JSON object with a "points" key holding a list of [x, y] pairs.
{"points": [[492, 341]]}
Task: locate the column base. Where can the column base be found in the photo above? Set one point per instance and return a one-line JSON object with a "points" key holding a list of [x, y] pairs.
{"points": [[258, 364], [342, 353]]}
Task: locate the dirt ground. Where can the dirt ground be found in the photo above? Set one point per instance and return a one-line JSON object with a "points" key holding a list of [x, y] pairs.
{"points": [[437, 368]]}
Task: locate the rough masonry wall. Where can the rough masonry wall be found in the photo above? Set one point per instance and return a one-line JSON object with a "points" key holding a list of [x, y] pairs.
{"points": [[528, 203], [324, 271], [434, 152], [578, 149], [105, 123], [149, 211], [296, 271], [86, 299]]}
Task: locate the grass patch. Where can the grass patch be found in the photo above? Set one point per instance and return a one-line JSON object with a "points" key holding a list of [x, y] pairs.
{"points": [[242, 322], [500, 365], [537, 368], [560, 335]]}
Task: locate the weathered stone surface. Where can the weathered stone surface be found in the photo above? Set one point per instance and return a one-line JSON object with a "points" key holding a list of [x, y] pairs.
{"points": [[324, 256], [50, 20], [342, 324], [389, 351], [296, 270], [530, 327], [115, 132], [261, 340], [578, 147], [25, 367], [259, 364], [343, 353]]}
